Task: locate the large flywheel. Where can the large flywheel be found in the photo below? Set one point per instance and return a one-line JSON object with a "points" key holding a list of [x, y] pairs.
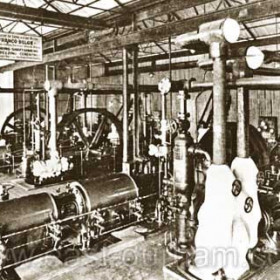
{"points": [[17, 127], [258, 149], [88, 129]]}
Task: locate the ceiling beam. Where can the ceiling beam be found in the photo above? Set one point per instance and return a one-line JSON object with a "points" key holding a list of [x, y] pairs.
{"points": [[146, 9], [168, 7], [48, 17], [149, 9], [246, 12]]}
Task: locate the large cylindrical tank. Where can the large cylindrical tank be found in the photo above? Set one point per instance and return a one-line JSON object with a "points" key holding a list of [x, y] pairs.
{"points": [[107, 190], [26, 212], [183, 165]]}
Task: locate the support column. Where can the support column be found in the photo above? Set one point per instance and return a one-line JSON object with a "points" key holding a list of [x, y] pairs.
{"points": [[136, 134], [217, 50], [125, 166], [242, 123]]}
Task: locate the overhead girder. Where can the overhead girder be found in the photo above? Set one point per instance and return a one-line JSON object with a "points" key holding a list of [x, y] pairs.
{"points": [[48, 17], [255, 10]]}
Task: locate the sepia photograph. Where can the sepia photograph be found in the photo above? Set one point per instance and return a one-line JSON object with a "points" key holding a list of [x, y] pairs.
{"points": [[139, 140]]}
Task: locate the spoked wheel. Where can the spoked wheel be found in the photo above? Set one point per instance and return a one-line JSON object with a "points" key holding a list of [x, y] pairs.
{"points": [[14, 129], [88, 130], [257, 146]]}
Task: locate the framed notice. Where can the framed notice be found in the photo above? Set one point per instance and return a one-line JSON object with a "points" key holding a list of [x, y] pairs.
{"points": [[20, 47]]}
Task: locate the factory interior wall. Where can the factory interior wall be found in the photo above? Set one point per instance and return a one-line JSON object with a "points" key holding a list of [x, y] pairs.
{"points": [[262, 102]]}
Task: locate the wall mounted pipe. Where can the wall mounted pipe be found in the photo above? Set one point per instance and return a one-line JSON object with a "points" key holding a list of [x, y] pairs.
{"points": [[250, 83]]}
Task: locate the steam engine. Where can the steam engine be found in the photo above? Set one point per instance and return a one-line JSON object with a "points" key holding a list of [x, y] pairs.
{"points": [[43, 223]]}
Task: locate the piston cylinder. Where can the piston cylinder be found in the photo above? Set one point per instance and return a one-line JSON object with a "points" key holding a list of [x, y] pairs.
{"points": [[107, 191], [26, 212]]}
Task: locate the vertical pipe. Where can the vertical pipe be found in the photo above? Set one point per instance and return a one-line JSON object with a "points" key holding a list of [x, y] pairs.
{"points": [[71, 102], [163, 119], [145, 116], [47, 100], [170, 71], [52, 110], [219, 102], [164, 132], [38, 130], [125, 109], [242, 122], [135, 104], [84, 106]]}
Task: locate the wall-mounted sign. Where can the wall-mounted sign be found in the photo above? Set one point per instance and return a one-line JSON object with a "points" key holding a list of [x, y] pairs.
{"points": [[20, 47]]}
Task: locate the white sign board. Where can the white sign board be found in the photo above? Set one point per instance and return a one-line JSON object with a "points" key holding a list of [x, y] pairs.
{"points": [[20, 47]]}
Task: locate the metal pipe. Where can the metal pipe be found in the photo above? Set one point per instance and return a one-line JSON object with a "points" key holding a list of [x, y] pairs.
{"points": [[84, 106], [47, 101], [199, 152], [136, 134], [251, 83], [52, 111], [164, 132], [265, 71], [125, 110], [163, 119], [242, 123], [145, 117], [38, 130], [182, 105], [219, 101]]}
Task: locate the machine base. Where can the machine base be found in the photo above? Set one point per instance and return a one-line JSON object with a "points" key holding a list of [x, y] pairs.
{"points": [[177, 271]]}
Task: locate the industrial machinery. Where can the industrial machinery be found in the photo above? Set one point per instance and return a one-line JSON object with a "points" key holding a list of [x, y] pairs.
{"points": [[40, 224], [192, 203], [184, 181]]}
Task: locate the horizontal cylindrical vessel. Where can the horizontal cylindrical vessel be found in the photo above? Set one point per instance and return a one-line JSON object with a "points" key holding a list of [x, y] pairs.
{"points": [[26, 212], [107, 191]]}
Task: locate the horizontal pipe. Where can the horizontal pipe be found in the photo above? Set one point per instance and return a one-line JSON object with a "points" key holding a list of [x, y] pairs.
{"points": [[95, 88], [264, 71], [157, 68], [251, 83]]}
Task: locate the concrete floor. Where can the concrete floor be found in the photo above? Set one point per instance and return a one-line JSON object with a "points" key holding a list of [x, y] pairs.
{"points": [[132, 259]]}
